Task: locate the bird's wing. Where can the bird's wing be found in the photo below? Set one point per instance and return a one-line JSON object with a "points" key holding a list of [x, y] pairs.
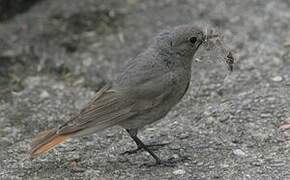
{"points": [[112, 105], [151, 92], [106, 109]]}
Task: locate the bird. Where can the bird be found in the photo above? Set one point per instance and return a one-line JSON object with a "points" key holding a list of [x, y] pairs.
{"points": [[146, 88]]}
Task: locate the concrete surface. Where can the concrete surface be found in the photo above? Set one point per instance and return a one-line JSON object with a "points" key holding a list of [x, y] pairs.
{"points": [[54, 57]]}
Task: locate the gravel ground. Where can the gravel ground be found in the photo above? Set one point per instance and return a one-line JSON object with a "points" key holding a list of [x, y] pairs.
{"points": [[54, 56]]}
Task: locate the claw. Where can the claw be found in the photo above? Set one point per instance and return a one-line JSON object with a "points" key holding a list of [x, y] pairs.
{"points": [[159, 163], [151, 146], [134, 151]]}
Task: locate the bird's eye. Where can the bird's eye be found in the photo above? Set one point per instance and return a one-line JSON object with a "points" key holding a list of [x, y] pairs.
{"points": [[193, 40]]}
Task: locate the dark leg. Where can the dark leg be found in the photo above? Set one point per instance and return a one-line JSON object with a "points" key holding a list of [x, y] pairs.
{"points": [[133, 133], [141, 145]]}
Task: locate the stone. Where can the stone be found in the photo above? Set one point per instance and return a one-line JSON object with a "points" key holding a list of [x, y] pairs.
{"points": [[239, 152], [179, 172], [277, 78]]}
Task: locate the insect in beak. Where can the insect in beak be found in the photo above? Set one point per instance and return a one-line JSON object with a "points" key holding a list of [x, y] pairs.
{"points": [[230, 61]]}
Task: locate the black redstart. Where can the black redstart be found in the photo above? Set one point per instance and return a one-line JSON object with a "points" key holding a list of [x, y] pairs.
{"points": [[144, 91]]}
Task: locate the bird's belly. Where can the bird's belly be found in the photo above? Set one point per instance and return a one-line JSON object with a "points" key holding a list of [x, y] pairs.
{"points": [[147, 117], [156, 113]]}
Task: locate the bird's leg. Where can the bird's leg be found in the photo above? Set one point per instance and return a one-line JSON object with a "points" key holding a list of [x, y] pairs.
{"points": [[156, 146], [141, 145], [133, 132]]}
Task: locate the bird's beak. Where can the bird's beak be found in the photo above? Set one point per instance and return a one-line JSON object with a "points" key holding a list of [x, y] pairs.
{"points": [[230, 61], [200, 43], [210, 36]]}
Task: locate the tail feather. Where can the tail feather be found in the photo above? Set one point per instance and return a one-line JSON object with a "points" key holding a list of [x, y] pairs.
{"points": [[107, 109], [40, 136], [46, 141]]}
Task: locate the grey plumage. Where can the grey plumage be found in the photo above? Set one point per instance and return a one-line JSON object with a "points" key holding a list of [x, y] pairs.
{"points": [[144, 91]]}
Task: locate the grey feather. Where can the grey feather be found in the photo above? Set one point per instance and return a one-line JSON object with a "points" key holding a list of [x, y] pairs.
{"points": [[145, 89]]}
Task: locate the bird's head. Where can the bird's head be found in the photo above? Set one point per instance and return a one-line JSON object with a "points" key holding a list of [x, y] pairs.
{"points": [[181, 40]]}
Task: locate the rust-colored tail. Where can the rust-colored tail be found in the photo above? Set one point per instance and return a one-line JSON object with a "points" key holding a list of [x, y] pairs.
{"points": [[45, 141]]}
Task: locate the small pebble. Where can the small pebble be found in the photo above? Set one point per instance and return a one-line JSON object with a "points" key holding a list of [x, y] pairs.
{"points": [[199, 164], [264, 115], [183, 135], [239, 152], [174, 146], [87, 61], [44, 94], [277, 78], [175, 156], [179, 172], [225, 165]]}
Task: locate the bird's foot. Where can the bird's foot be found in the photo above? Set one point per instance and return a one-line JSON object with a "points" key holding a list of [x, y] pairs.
{"points": [[134, 151], [166, 163], [150, 146], [156, 146], [163, 163]]}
